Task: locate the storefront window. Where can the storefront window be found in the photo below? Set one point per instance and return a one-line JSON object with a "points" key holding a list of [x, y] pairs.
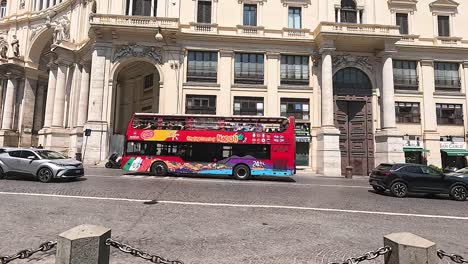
{"points": [[302, 144]]}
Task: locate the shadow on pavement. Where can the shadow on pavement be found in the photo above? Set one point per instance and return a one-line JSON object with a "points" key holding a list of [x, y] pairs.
{"points": [[197, 176], [27, 178], [415, 196]]}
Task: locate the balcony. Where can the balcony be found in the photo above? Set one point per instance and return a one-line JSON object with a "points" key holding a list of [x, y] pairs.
{"points": [[296, 33], [448, 85], [357, 37], [204, 27], [447, 40], [250, 30], [104, 20], [406, 83]]}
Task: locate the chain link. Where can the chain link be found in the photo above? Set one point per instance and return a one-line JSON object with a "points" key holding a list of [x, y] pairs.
{"points": [[453, 257], [139, 253], [27, 253], [368, 256]]}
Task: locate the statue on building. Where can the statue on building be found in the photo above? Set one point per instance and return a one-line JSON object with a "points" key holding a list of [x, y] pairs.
{"points": [[15, 46], [3, 48], [22, 4], [62, 30]]}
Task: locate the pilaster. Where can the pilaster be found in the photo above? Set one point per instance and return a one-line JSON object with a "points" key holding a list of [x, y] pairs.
{"points": [[273, 81], [224, 101]]}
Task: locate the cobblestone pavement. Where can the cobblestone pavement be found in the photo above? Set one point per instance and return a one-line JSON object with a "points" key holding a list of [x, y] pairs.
{"points": [[214, 220]]}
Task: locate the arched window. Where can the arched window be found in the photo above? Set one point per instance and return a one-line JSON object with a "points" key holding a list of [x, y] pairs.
{"points": [[348, 12], [352, 81], [3, 8], [142, 7]]}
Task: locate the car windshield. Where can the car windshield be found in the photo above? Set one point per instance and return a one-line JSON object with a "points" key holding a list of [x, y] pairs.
{"points": [[51, 155]]}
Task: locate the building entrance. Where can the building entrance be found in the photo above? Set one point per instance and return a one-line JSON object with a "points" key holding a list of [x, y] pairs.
{"points": [[353, 117]]}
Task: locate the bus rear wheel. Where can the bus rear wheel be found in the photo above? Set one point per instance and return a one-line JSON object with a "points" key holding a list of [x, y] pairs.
{"points": [[159, 169], [241, 172]]}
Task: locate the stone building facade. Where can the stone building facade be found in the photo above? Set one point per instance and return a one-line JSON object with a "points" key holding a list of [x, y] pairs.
{"points": [[368, 81]]}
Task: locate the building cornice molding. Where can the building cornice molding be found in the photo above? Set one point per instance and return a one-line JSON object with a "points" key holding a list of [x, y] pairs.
{"points": [[447, 6], [303, 3], [395, 5]]}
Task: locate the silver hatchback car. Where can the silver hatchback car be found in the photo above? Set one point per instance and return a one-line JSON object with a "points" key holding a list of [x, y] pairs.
{"points": [[45, 165]]}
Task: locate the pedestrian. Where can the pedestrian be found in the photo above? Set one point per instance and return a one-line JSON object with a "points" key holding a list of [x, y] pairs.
{"points": [[40, 146]]}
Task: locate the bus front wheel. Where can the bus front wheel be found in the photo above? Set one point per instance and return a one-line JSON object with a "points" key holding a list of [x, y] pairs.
{"points": [[159, 169], [241, 172]]}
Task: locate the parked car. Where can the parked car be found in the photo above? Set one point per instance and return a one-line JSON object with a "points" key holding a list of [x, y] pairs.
{"points": [[403, 178], [45, 165]]}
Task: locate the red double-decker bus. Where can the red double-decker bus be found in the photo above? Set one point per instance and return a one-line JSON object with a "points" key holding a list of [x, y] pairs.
{"points": [[203, 144]]}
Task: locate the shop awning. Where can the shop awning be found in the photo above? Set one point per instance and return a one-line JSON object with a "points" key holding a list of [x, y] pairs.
{"points": [[455, 152], [409, 149]]}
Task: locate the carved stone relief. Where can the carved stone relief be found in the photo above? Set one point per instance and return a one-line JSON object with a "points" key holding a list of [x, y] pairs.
{"points": [[3, 48], [348, 60], [61, 30], [153, 53], [15, 46]]}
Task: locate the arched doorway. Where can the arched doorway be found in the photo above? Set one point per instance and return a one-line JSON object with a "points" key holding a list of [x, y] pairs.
{"points": [[137, 90], [353, 117]]}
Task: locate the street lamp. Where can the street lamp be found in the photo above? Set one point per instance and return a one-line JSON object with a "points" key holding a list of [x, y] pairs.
{"points": [[159, 36]]}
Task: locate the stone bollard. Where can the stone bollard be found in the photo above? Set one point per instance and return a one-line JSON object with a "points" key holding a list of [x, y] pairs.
{"points": [[84, 244], [408, 248]]}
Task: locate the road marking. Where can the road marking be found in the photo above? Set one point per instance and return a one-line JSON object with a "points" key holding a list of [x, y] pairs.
{"points": [[255, 206], [227, 181]]}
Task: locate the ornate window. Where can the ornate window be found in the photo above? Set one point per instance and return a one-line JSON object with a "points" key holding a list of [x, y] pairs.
{"points": [[402, 22], [204, 11], [447, 76], [200, 104], [250, 15], [3, 5], [141, 7], [299, 108], [443, 12], [449, 114], [294, 69], [348, 12], [202, 66], [248, 106], [249, 68], [405, 75], [407, 112], [294, 17]]}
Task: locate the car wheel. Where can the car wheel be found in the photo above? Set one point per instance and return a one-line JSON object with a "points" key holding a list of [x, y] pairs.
{"points": [[45, 175], [2, 174], [108, 165], [159, 169], [241, 172], [458, 193], [378, 189], [399, 189]]}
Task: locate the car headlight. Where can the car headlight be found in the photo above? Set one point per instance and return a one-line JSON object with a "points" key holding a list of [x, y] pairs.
{"points": [[59, 165]]}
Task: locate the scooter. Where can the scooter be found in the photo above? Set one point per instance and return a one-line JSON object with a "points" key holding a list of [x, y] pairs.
{"points": [[114, 161]]}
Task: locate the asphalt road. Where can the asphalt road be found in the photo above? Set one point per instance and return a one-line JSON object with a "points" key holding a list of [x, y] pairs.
{"points": [[214, 220]]}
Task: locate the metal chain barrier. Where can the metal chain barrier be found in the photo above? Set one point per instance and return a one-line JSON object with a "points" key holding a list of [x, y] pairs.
{"points": [[368, 256], [139, 253], [453, 257], [27, 253]]}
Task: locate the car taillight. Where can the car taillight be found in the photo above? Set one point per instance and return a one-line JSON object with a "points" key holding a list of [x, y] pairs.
{"points": [[387, 173]]}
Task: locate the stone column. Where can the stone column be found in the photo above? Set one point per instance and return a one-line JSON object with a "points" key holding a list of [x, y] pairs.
{"points": [[2, 88], [224, 101], [388, 94], [9, 103], [27, 109], [431, 137], [327, 89], [39, 108], [272, 104], [84, 97], [389, 140], [59, 100], [328, 139], [96, 144], [49, 110]]}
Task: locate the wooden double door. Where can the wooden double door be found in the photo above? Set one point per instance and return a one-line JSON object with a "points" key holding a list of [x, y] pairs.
{"points": [[353, 117]]}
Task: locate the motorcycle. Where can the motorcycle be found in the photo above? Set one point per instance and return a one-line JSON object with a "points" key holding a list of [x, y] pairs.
{"points": [[114, 161]]}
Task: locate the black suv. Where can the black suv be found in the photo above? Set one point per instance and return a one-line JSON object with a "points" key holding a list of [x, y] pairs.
{"points": [[402, 178]]}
